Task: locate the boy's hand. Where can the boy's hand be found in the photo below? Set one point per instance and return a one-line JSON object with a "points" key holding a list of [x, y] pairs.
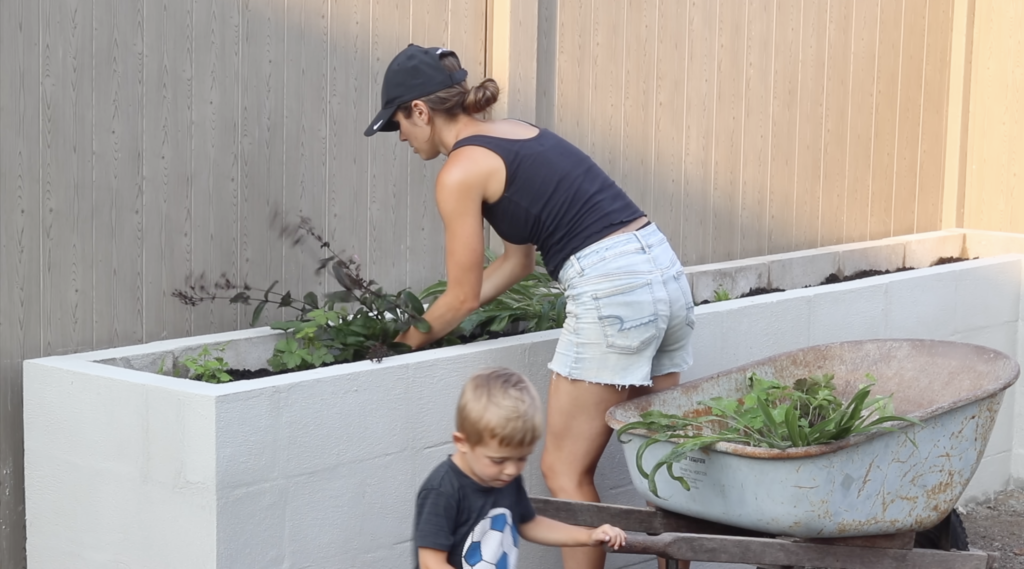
{"points": [[608, 535]]}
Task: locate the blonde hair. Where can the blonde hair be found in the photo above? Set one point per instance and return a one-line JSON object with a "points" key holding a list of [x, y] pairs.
{"points": [[501, 405]]}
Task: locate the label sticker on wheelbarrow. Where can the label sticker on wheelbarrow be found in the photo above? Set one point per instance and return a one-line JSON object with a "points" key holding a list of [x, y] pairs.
{"points": [[693, 468]]}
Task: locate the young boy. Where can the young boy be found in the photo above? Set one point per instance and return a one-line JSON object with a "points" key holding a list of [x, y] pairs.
{"points": [[473, 507]]}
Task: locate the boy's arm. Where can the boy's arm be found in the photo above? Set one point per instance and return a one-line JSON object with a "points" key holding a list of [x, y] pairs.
{"points": [[433, 558], [547, 531]]}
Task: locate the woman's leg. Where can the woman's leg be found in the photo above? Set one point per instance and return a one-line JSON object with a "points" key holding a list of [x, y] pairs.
{"points": [[659, 383], [576, 437]]}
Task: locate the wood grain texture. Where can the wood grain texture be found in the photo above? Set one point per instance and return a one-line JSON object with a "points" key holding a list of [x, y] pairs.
{"points": [[786, 107], [575, 60], [353, 102], [215, 159], [261, 144], [389, 158], [757, 117], [431, 26], [698, 130], [910, 108], [836, 122], [727, 170], [67, 209], [887, 118], [605, 118], [305, 148], [669, 105], [935, 106], [862, 108], [167, 167], [638, 108], [810, 124], [549, 40], [995, 150], [521, 91], [20, 286]]}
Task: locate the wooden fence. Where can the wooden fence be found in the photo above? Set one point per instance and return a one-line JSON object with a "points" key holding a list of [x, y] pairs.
{"points": [[758, 126]]}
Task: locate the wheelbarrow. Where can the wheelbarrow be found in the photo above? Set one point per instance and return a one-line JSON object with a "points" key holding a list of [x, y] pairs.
{"points": [[877, 483], [861, 502]]}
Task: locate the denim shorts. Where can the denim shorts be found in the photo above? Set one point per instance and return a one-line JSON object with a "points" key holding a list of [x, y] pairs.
{"points": [[629, 311]]}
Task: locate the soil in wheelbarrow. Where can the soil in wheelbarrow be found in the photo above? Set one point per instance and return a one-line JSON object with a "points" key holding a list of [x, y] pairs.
{"points": [[998, 526]]}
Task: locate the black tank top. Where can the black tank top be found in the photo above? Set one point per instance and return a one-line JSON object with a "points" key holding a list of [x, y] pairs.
{"points": [[555, 196]]}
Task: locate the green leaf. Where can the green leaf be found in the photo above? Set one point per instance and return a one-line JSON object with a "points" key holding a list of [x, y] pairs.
{"points": [[340, 297], [422, 325], [311, 300], [266, 293], [257, 312]]}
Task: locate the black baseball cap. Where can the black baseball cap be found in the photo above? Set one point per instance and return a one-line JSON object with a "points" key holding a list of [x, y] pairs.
{"points": [[413, 74]]}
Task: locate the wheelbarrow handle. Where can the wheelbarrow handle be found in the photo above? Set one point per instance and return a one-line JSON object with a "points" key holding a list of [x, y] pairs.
{"points": [[642, 544]]}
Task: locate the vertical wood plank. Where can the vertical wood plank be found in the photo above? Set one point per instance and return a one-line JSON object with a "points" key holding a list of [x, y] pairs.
{"points": [[698, 131], [20, 285], [1015, 121], [728, 135], [574, 64], [935, 106], [167, 161], [757, 115], [837, 122], [638, 94], [353, 104], [305, 111], [389, 158], [261, 144], [808, 190], [425, 250], [524, 43], [118, 114], [785, 117], [908, 135], [549, 46], [862, 104], [215, 157], [887, 89], [605, 112], [669, 99], [67, 215], [986, 147]]}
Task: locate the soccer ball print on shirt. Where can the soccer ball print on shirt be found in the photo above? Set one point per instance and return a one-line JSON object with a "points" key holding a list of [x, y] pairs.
{"points": [[493, 543]]}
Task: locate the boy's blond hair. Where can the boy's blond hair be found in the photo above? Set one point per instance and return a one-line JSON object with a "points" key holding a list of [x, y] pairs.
{"points": [[499, 405]]}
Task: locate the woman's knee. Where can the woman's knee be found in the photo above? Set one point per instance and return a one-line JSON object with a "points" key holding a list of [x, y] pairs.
{"points": [[563, 475]]}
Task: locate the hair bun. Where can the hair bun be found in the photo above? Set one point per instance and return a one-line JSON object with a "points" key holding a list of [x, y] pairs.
{"points": [[481, 97]]}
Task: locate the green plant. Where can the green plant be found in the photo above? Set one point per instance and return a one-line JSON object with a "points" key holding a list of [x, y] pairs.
{"points": [[204, 366], [531, 305], [721, 294], [361, 320], [323, 330], [771, 415]]}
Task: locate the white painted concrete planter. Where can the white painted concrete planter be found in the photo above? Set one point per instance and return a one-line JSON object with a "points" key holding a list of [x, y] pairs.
{"points": [[126, 468]]}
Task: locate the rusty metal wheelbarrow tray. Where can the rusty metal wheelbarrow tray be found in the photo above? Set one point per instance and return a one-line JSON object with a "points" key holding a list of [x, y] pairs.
{"points": [[873, 484]]}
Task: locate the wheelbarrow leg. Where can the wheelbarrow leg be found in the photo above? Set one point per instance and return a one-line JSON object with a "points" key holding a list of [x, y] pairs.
{"points": [[671, 563]]}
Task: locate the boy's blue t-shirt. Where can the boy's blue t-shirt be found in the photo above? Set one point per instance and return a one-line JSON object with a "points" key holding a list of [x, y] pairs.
{"points": [[477, 525]]}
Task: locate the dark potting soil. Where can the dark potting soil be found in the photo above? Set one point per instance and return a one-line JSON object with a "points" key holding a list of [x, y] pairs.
{"points": [[243, 374], [835, 278]]}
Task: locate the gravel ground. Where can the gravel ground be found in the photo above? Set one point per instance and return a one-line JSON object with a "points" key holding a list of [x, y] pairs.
{"points": [[998, 526]]}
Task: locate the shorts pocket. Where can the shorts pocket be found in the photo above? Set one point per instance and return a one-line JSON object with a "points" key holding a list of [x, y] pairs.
{"points": [[628, 316], [684, 287]]}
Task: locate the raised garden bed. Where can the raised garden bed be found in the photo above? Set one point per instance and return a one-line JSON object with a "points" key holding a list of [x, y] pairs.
{"points": [[319, 467]]}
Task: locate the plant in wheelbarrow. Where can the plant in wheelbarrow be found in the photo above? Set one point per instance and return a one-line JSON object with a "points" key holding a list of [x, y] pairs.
{"points": [[771, 415]]}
